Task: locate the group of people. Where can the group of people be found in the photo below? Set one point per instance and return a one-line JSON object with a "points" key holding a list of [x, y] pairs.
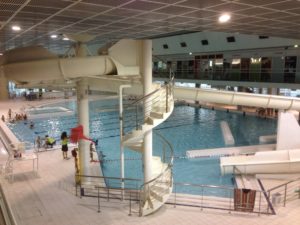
{"points": [[17, 117], [49, 142], [45, 142]]}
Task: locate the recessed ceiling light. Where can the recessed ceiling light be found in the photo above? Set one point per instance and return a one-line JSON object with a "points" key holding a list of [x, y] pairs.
{"points": [[16, 28], [66, 39], [224, 18], [1, 53], [190, 53], [295, 46], [53, 36]]}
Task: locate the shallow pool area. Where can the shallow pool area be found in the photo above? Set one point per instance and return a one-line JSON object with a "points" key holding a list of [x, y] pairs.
{"points": [[187, 128]]}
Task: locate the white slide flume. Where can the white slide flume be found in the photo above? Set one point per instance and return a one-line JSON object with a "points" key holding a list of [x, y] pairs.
{"points": [[285, 159]]}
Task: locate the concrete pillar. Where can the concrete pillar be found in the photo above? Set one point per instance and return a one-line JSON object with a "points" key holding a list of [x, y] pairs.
{"points": [[80, 49], [147, 88], [3, 86], [83, 119]]}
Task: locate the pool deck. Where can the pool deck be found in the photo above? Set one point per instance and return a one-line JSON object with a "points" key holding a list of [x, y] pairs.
{"points": [[49, 199]]}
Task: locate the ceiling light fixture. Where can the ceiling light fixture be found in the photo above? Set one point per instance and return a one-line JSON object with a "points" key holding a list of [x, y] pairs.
{"points": [[66, 39], [295, 46], [1, 53], [224, 18], [190, 53], [53, 36], [16, 28]]}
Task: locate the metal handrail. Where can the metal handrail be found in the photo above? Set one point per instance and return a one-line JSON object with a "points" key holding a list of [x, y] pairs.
{"points": [[282, 185], [151, 93], [204, 185], [137, 110], [104, 177], [229, 202], [288, 190], [159, 178], [170, 164]]}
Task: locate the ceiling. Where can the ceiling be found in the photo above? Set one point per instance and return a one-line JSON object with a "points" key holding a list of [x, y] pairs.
{"points": [[110, 20]]}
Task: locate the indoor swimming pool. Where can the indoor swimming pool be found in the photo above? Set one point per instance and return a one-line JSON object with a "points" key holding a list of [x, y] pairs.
{"points": [[186, 129]]}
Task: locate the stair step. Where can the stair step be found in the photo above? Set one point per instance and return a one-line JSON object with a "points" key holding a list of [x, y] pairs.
{"points": [[161, 109], [135, 146], [157, 196], [156, 115], [154, 202], [162, 190]]}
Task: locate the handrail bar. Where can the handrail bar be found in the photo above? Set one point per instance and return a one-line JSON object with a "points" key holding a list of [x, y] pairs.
{"points": [[205, 185], [151, 93], [114, 178], [281, 185], [142, 98], [168, 167]]}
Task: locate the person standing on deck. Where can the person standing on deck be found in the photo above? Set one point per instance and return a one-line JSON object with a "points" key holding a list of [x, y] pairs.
{"points": [[64, 144]]}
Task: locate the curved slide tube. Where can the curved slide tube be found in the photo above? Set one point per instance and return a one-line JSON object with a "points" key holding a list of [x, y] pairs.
{"points": [[124, 58], [237, 98], [285, 161], [39, 70]]}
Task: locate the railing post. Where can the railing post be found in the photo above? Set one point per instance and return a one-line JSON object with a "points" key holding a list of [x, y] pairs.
{"points": [[136, 118], [129, 204], [76, 186], [175, 196], [164, 153], [202, 193], [98, 199], [269, 201], [140, 205], [259, 206], [167, 97], [80, 190], [285, 189], [108, 194], [230, 199]]}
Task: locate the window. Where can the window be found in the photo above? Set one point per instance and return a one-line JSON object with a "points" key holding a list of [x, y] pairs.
{"points": [[263, 37], [231, 39], [204, 42], [183, 44]]}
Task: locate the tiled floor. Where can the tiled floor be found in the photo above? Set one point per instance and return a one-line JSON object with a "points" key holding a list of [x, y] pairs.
{"points": [[48, 199]]}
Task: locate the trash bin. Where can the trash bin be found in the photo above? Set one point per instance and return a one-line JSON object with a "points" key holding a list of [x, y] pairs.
{"points": [[276, 199]]}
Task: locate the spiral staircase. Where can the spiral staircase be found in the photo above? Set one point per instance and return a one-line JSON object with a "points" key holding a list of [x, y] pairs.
{"points": [[143, 115]]}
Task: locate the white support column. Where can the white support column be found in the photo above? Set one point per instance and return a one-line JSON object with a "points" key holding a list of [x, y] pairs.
{"points": [[83, 119], [147, 88], [3, 86]]}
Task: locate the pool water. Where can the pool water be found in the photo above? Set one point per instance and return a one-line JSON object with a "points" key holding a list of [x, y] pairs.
{"points": [[187, 128]]}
